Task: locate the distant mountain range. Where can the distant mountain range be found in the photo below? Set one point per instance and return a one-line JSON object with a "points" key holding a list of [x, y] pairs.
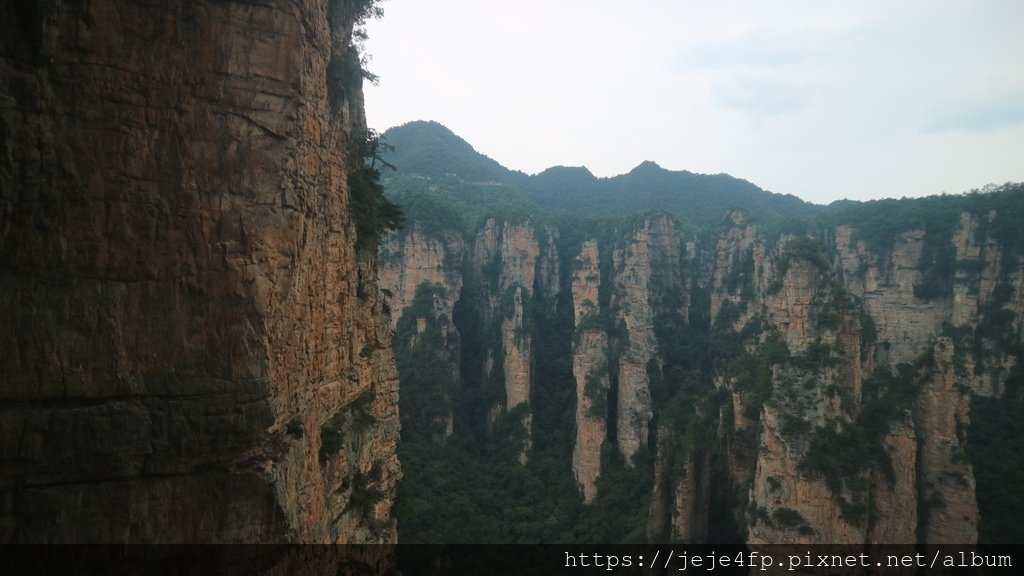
{"points": [[440, 179], [430, 159], [626, 360]]}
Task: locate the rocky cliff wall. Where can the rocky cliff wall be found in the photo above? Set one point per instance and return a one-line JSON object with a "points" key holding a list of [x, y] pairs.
{"points": [[194, 348], [494, 274], [631, 299], [414, 257], [518, 252], [590, 369], [644, 268], [871, 366], [419, 259], [761, 386]]}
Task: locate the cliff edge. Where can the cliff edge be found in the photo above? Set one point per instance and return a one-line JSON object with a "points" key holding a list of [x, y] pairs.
{"points": [[195, 348]]}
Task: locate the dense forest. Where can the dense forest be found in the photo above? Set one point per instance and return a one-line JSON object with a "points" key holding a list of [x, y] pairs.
{"points": [[476, 473], [434, 163]]}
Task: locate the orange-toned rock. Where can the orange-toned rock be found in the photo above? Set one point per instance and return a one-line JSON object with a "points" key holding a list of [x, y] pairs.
{"points": [[190, 331], [590, 368]]}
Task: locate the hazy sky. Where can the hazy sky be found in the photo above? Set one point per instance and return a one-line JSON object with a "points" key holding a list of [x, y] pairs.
{"points": [[815, 98]]}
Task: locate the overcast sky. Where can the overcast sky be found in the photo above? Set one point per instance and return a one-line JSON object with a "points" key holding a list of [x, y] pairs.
{"points": [[813, 98]]}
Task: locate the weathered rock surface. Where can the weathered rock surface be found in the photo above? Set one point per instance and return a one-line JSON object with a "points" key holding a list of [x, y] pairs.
{"points": [[519, 251], [416, 258], [643, 269], [413, 257], [904, 322], [680, 497], [927, 470], [517, 346], [947, 480], [186, 306], [590, 368], [733, 262], [819, 344], [495, 274]]}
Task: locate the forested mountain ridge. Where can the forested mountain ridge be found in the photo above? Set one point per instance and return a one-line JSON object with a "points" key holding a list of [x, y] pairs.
{"points": [[848, 374], [427, 154]]}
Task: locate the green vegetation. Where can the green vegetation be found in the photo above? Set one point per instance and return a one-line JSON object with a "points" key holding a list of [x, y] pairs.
{"points": [[332, 436], [346, 72], [788, 518], [596, 391], [432, 160], [364, 493], [740, 278], [868, 330], [994, 445], [752, 372], [728, 314], [800, 248], [471, 487], [996, 452], [843, 452], [689, 407], [428, 381], [372, 211], [805, 248], [429, 150], [694, 199], [350, 422], [880, 223]]}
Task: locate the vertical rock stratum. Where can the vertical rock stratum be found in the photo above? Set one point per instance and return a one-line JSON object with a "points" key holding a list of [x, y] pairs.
{"points": [[869, 374], [742, 383], [590, 369], [193, 347]]}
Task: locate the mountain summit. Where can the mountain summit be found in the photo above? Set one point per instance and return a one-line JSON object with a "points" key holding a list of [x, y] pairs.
{"points": [[427, 152]]}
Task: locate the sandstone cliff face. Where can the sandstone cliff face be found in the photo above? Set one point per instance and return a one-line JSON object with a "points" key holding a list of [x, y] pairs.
{"points": [[905, 323], [807, 388], [895, 520], [614, 342], [857, 311], [194, 349], [947, 480], [549, 265], [791, 505], [643, 268], [495, 274], [734, 262], [519, 250], [413, 257], [517, 346], [590, 368]]}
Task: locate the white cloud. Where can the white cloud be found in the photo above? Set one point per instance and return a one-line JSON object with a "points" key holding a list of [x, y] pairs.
{"points": [[764, 95], [994, 110], [817, 99]]}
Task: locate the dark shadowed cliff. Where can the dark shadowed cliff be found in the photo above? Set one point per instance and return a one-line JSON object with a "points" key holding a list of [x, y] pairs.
{"points": [[192, 346]]}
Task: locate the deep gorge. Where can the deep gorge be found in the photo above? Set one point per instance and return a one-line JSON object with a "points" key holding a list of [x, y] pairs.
{"points": [[210, 335], [633, 379]]}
